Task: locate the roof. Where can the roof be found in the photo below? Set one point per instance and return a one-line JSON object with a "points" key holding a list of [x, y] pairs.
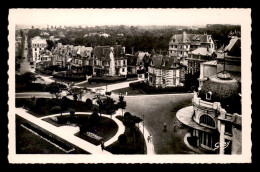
{"points": [[223, 91], [118, 51], [38, 40], [201, 51], [153, 52], [212, 62], [102, 52], [190, 38], [164, 62], [131, 60], [234, 47], [141, 55]]}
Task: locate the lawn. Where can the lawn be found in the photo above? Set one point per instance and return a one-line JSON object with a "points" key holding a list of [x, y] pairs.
{"points": [[135, 142], [29, 143], [157, 110], [105, 127]]}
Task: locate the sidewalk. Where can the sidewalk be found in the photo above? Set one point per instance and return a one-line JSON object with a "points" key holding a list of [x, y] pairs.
{"points": [[59, 131], [111, 87]]}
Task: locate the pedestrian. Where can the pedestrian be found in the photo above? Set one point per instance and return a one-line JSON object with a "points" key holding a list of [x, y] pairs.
{"points": [[148, 139], [164, 125], [102, 145]]}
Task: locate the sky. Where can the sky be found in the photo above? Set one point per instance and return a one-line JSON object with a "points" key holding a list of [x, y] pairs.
{"points": [[92, 17]]}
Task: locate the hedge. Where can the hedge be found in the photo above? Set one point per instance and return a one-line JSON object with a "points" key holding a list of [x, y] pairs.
{"points": [[132, 75], [106, 79], [152, 90], [70, 77]]}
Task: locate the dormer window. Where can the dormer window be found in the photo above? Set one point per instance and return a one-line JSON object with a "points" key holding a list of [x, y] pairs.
{"points": [[208, 95]]}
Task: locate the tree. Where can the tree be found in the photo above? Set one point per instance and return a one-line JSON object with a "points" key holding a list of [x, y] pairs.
{"points": [[122, 139], [94, 118], [89, 103], [64, 104], [50, 44], [121, 104], [56, 88], [29, 77]]}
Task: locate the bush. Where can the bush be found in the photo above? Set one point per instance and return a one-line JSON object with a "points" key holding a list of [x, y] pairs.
{"points": [[132, 75], [89, 104], [40, 102], [152, 90], [106, 79], [56, 109], [122, 139], [52, 102]]}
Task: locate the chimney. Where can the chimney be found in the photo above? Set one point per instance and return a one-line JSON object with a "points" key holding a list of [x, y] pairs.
{"points": [[184, 36], [123, 50]]}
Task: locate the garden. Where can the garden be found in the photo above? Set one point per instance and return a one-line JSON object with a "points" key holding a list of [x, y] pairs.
{"points": [[132, 140], [31, 139]]}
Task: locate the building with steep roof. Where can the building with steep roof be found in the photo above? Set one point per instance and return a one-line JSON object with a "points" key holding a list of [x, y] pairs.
{"points": [[38, 44], [120, 60], [196, 57], [215, 119], [181, 44], [164, 71]]}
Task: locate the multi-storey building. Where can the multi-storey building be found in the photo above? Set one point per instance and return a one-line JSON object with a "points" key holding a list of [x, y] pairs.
{"points": [[164, 71], [181, 44], [120, 60], [198, 56], [38, 44], [214, 120]]}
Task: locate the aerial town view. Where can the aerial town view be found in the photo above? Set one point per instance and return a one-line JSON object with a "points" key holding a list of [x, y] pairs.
{"points": [[128, 89]]}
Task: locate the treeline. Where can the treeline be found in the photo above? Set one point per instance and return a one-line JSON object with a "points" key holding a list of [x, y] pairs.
{"points": [[19, 49], [139, 38]]}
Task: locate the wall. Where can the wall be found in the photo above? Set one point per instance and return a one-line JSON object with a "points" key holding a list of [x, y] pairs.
{"points": [[236, 141]]}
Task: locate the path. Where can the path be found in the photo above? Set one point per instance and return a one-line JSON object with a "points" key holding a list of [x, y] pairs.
{"points": [[59, 131], [111, 87]]}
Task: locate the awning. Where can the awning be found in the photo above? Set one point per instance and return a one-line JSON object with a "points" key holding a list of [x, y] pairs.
{"points": [[69, 60]]}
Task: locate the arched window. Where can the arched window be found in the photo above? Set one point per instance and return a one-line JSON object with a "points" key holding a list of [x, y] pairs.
{"points": [[208, 95], [207, 120]]}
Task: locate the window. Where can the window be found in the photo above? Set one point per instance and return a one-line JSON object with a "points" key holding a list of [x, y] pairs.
{"points": [[123, 69], [164, 82], [208, 95], [228, 128], [35, 49], [207, 120]]}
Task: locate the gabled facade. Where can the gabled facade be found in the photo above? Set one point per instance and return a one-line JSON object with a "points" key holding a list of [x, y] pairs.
{"points": [[164, 71], [181, 44]]}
